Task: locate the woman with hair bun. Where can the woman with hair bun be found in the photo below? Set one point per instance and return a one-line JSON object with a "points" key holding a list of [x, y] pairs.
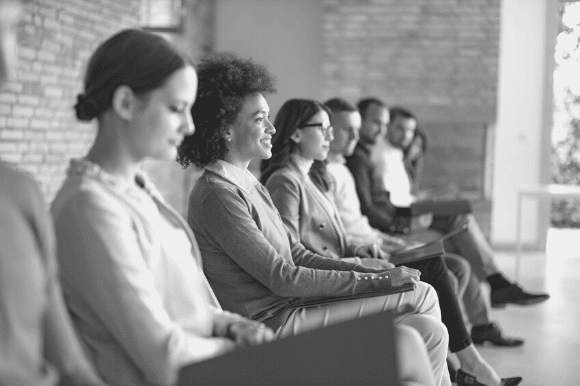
{"points": [[253, 263], [131, 268]]}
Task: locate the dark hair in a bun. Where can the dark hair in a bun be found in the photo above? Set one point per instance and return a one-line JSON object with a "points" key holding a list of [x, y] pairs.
{"points": [[86, 108], [134, 58]]}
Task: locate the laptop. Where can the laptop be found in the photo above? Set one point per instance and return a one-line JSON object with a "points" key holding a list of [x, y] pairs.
{"points": [[357, 352]]}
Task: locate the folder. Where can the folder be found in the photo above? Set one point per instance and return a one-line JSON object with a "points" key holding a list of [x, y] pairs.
{"points": [[357, 352], [309, 302]]}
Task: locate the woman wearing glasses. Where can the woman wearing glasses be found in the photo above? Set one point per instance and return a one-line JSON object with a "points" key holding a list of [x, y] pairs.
{"points": [[253, 263], [300, 188]]}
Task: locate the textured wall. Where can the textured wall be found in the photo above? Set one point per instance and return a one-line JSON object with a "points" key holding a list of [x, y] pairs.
{"points": [[38, 129], [437, 57]]}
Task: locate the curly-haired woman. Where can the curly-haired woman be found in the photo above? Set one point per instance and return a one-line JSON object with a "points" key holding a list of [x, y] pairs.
{"points": [[255, 266]]}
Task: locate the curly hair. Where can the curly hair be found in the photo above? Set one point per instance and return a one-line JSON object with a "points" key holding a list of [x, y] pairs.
{"points": [[225, 80], [292, 115]]}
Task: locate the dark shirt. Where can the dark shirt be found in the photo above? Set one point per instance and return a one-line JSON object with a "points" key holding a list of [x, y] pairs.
{"points": [[374, 199]]}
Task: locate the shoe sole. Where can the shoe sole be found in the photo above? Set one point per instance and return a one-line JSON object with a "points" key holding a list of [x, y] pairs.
{"points": [[487, 342], [530, 302]]}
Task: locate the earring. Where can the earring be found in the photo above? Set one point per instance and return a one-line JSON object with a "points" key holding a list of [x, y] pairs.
{"points": [[228, 139]]}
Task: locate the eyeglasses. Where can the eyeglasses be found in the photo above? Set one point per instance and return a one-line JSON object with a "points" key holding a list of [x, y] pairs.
{"points": [[326, 131]]}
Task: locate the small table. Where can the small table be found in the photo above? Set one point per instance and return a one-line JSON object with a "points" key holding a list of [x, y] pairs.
{"points": [[540, 191]]}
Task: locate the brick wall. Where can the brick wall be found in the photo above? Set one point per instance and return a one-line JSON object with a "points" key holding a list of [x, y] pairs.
{"points": [[38, 129], [437, 57]]}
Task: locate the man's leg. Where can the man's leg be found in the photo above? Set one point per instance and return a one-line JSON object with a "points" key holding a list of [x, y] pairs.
{"points": [[474, 306], [472, 245]]}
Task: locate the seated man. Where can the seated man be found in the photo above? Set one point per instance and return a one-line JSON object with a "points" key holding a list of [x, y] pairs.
{"points": [[347, 122], [376, 204]]}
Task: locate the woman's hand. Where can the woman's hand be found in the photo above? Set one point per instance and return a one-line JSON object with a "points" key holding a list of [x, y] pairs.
{"points": [[371, 251], [403, 275], [249, 333]]}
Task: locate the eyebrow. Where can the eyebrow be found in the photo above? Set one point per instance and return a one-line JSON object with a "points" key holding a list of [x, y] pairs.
{"points": [[259, 112]]}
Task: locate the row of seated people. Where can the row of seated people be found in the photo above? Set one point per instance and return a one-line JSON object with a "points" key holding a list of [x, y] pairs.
{"points": [[131, 267]]}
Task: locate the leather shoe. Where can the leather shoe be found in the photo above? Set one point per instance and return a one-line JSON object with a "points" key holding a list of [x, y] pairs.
{"points": [[492, 333], [514, 294], [464, 379]]}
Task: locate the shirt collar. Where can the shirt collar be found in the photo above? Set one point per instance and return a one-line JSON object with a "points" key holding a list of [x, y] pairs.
{"points": [[242, 178]]}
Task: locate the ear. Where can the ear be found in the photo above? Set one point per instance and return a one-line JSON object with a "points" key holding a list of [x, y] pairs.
{"points": [[124, 102], [296, 137]]}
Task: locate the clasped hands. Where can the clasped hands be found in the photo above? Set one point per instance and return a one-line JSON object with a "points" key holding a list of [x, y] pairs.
{"points": [[246, 332]]}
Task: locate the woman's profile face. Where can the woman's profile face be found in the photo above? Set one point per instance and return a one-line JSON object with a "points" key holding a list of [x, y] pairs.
{"points": [[164, 118], [314, 139], [251, 133]]}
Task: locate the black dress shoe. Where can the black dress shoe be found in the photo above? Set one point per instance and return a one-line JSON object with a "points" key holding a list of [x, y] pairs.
{"points": [[464, 379], [514, 294], [492, 333]]}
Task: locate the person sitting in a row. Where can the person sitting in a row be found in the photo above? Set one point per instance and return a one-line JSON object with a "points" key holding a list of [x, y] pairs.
{"points": [[38, 343], [377, 206], [254, 264], [131, 268], [300, 187], [346, 121]]}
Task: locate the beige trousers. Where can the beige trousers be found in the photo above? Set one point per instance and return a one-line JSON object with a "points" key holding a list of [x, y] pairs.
{"points": [[418, 309]]}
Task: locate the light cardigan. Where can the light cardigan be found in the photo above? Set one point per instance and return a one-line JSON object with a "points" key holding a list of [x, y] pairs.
{"points": [[253, 263], [131, 273]]}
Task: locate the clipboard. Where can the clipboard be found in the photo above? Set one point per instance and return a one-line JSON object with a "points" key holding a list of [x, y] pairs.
{"points": [[357, 352]]}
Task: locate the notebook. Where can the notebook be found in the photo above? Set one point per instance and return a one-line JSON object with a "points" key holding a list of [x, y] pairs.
{"points": [[357, 352], [309, 302]]}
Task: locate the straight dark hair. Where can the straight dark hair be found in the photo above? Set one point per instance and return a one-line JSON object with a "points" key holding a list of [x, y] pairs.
{"points": [[293, 114], [134, 58], [364, 104]]}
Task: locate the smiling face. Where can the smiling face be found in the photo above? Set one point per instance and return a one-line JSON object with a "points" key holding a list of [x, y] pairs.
{"points": [[162, 117], [374, 123], [250, 136], [313, 142], [401, 131], [346, 132]]}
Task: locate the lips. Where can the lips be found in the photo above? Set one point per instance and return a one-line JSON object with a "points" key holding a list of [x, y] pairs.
{"points": [[266, 142]]}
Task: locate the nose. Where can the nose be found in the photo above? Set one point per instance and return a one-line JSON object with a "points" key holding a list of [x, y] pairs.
{"points": [[270, 129], [188, 126], [329, 134], [354, 135]]}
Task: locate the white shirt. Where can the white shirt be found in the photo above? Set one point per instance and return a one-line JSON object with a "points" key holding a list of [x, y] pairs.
{"points": [[346, 200], [389, 163]]}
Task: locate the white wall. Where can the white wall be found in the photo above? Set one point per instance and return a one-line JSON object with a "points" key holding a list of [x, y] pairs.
{"points": [[522, 145], [285, 35]]}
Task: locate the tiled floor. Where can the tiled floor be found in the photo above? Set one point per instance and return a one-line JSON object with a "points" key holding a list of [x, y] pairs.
{"points": [[551, 355]]}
